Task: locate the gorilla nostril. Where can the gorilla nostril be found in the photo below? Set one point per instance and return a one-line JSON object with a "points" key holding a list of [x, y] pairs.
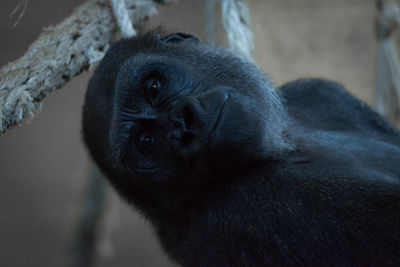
{"points": [[188, 118], [187, 138]]}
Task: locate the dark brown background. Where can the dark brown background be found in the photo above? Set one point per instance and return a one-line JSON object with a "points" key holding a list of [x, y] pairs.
{"points": [[43, 163]]}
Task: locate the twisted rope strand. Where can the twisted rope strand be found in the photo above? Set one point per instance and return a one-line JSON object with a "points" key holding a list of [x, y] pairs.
{"points": [[123, 19]]}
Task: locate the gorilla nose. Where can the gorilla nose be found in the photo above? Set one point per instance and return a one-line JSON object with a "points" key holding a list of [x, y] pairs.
{"points": [[186, 118], [194, 119]]}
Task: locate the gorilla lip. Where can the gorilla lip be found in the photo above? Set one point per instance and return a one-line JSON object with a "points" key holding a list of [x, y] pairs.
{"points": [[220, 115]]}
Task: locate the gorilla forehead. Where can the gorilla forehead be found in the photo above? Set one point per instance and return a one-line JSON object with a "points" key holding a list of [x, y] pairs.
{"points": [[206, 62]]}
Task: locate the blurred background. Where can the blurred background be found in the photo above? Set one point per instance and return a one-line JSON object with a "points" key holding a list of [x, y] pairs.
{"points": [[44, 165]]}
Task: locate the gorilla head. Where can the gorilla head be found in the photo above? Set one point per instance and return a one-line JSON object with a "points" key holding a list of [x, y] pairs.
{"points": [[174, 110]]}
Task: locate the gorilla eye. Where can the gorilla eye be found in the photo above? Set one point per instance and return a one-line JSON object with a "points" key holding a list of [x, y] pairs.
{"points": [[146, 143], [153, 87]]}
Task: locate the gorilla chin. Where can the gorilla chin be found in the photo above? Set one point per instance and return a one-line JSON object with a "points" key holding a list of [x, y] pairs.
{"points": [[231, 171]]}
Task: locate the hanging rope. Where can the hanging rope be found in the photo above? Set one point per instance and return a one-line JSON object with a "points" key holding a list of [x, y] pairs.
{"points": [[122, 17], [236, 21], [387, 92]]}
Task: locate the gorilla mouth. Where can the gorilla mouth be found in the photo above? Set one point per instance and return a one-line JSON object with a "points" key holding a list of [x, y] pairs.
{"points": [[220, 115]]}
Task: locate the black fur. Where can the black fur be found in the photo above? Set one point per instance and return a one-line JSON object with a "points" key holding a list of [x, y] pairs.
{"points": [[232, 172]]}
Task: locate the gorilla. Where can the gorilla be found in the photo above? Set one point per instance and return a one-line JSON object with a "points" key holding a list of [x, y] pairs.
{"points": [[231, 171]]}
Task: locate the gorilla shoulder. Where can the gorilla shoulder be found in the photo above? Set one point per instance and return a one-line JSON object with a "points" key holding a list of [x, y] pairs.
{"points": [[327, 105]]}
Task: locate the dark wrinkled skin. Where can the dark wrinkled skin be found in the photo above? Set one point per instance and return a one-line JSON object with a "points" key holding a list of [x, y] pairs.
{"points": [[232, 172]]}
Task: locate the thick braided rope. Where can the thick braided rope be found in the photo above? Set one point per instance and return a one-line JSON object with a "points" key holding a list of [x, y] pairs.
{"points": [[122, 17], [236, 21]]}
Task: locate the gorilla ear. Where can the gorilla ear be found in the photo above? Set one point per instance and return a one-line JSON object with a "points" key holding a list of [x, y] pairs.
{"points": [[179, 37]]}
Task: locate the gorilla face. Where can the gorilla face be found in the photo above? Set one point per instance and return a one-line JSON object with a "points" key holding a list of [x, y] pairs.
{"points": [[171, 109]]}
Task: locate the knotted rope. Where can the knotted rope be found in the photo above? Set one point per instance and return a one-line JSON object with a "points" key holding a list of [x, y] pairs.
{"points": [[63, 51], [387, 92]]}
